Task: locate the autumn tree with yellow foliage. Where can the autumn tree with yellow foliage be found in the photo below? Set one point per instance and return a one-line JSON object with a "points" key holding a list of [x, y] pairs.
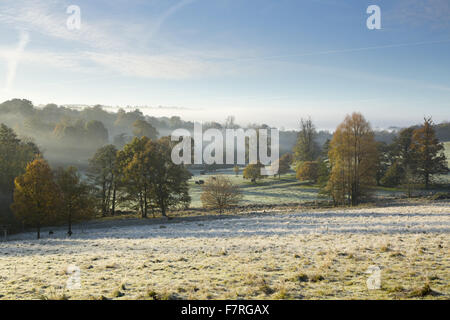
{"points": [[36, 196], [353, 159]]}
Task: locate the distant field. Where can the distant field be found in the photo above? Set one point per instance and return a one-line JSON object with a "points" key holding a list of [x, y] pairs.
{"points": [[266, 191]]}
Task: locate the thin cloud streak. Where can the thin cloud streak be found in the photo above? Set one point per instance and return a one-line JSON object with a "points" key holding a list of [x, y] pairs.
{"points": [[399, 45], [13, 60]]}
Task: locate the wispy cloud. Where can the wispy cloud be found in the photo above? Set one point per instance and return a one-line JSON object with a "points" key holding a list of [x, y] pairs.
{"points": [[13, 57], [104, 46], [49, 19], [152, 66], [167, 14]]}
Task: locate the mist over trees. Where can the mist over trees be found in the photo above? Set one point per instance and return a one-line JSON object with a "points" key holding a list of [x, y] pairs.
{"points": [[68, 135], [105, 161]]}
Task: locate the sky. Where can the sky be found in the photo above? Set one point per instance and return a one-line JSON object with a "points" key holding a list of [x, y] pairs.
{"points": [[262, 61]]}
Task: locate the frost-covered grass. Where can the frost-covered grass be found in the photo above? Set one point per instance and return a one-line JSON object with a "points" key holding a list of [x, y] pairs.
{"points": [[320, 254]]}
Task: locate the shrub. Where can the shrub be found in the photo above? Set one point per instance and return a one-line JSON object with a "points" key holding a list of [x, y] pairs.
{"points": [[308, 171], [220, 193]]}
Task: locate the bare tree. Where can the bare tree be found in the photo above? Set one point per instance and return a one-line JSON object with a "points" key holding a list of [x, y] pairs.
{"points": [[220, 193], [306, 148]]}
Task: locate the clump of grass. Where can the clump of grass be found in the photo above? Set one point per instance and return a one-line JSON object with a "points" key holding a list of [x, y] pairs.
{"points": [[316, 278], [282, 294], [422, 250], [302, 277], [433, 277], [265, 288], [385, 248], [169, 296], [396, 289], [422, 291], [117, 293], [153, 295], [396, 255], [54, 297]]}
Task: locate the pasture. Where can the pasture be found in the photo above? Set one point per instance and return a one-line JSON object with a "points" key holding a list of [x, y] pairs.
{"points": [[314, 254]]}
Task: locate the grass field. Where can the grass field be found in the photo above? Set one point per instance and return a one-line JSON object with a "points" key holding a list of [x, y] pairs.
{"points": [[320, 254], [267, 191]]}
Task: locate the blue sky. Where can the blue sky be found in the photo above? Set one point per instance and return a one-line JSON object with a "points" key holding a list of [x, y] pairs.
{"points": [[262, 61]]}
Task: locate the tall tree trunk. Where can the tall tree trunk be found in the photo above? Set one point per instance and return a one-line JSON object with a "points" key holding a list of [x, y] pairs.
{"points": [[141, 205], [104, 199], [39, 231], [427, 180], [113, 207], [70, 225], [163, 209]]}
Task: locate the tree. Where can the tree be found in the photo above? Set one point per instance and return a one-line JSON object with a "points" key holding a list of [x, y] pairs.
{"points": [[236, 170], [76, 199], [150, 177], [284, 164], [429, 157], [70, 133], [253, 172], [36, 195], [395, 158], [96, 133], [401, 148], [121, 140], [384, 161], [103, 173], [306, 148], [134, 165], [308, 171], [353, 159], [142, 128], [324, 168], [409, 181], [220, 193], [230, 123], [394, 175], [14, 157], [168, 181]]}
